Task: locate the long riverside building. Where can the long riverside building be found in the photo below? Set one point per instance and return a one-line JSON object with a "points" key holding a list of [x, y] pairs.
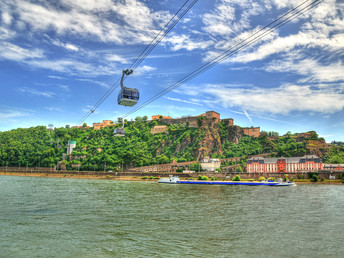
{"points": [[284, 165]]}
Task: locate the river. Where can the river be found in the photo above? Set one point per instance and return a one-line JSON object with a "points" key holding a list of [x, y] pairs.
{"points": [[64, 217]]}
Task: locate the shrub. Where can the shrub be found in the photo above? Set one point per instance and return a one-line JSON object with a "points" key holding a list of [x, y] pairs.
{"points": [[205, 178], [315, 178], [200, 177], [310, 175], [261, 179], [285, 178], [300, 176], [236, 178], [212, 178], [272, 179], [322, 179], [251, 180], [144, 177], [291, 179], [151, 177], [157, 177]]}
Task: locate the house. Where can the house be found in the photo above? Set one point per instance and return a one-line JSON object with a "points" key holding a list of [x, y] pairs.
{"points": [[306, 163], [98, 126], [209, 164]]}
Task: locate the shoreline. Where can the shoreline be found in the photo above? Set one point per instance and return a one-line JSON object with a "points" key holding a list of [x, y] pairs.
{"points": [[137, 178]]}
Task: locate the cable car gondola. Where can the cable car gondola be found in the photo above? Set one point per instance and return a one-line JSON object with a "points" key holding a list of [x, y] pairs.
{"points": [[120, 130], [127, 96]]}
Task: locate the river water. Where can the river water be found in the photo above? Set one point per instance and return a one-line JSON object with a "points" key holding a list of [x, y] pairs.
{"points": [[63, 217]]}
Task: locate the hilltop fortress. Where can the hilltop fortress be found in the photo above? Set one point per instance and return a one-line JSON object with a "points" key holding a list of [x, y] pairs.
{"points": [[190, 121], [196, 121]]}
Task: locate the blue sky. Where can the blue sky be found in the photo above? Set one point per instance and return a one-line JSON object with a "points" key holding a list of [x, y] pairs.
{"points": [[58, 58]]}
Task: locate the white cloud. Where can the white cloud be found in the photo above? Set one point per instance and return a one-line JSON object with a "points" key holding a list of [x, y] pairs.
{"points": [[31, 91], [116, 58], [310, 68], [6, 34], [16, 53], [6, 18], [10, 114], [56, 77], [71, 66], [280, 100], [64, 87], [122, 23], [54, 109], [184, 101], [106, 86], [179, 42], [143, 69]]}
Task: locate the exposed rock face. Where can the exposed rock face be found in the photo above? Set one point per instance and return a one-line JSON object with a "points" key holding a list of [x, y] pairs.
{"points": [[211, 142], [318, 147]]}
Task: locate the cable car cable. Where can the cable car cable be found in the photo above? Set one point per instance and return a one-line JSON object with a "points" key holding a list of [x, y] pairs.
{"points": [[228, 52], [139, 59]]}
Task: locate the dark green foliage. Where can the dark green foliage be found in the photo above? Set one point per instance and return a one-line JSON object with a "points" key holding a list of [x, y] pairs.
{"points": [[300, 176], [100, 150], [205, 178], [236, 178], [311, 174], [315, 178], [335, 155]]}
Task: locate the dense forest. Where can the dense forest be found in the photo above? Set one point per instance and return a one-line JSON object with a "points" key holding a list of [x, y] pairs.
{"points": [[97, 149]]}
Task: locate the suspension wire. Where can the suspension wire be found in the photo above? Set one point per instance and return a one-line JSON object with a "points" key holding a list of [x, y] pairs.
{"points": [[233, 50], [155, 38], [149, 48], [158, 39]]}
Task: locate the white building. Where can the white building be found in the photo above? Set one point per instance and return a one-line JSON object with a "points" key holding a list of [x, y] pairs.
{"points": [[209, 164]]}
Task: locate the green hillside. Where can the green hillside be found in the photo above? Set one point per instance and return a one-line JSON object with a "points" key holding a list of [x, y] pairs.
{"points": [[38, 146]]}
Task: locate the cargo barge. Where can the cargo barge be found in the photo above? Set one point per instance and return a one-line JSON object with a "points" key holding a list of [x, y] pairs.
{"points": [[176, 180]]}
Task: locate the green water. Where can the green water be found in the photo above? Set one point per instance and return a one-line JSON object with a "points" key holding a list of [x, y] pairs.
{"points": [[60, 217]]}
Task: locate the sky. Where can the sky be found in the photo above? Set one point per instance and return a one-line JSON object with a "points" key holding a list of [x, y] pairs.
{"points": [[58, 58]]}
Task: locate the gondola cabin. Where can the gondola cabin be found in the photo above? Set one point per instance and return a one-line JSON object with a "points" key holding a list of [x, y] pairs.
{"points": [[128, 96], [119, 132]]}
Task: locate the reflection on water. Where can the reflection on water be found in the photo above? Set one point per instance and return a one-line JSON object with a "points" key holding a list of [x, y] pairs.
{"points": [[43, 217]]}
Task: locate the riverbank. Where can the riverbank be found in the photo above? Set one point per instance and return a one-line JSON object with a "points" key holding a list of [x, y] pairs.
{"points": [[139, 178]]}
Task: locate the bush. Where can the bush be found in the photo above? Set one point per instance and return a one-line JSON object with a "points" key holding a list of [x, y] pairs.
{"points": [[236, 178], [272, 179], [291, 179], [151, 177], [251, 180], [200, 177], [315, 178], [322, 179], [301, 176], [285, 178], [144, 177], [311, 174], [212, 178], [261, 179]]}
